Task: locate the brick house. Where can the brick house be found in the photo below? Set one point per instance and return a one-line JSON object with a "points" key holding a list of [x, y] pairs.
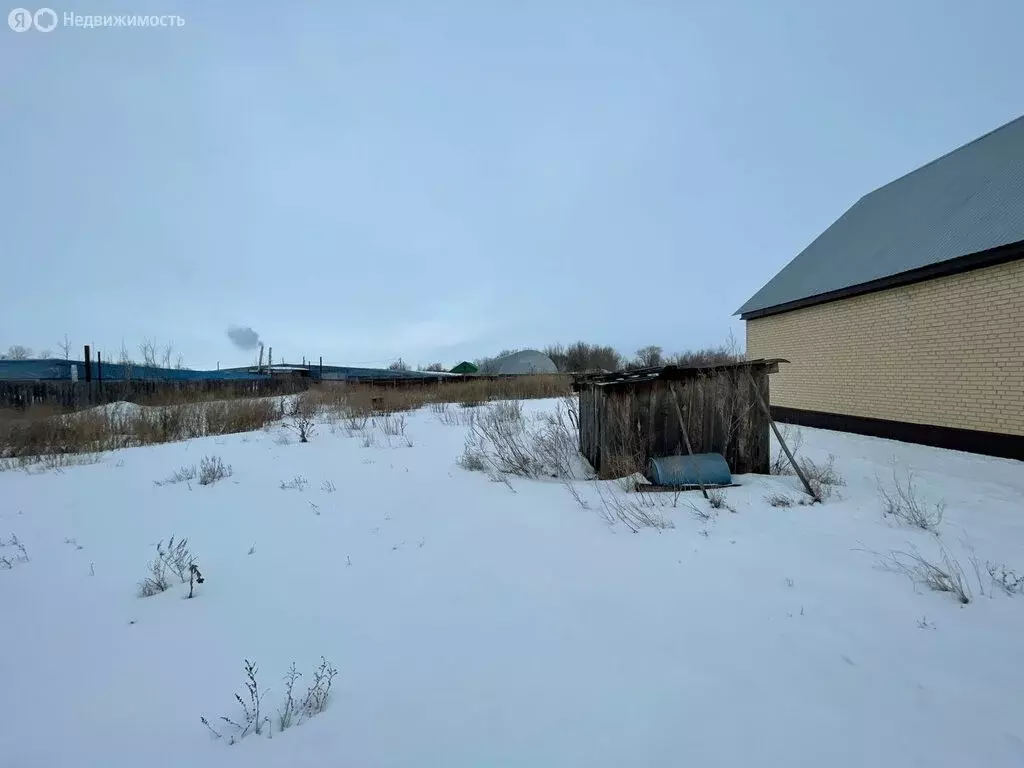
{"points": [[905, 318]]}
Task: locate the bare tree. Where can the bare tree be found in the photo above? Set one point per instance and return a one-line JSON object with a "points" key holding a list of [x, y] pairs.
{"points": [[399, 365], [434, 367], [650, 356], [149, 352], [489, 364], [581, 356], [167, 355], [17, 352], [126, 361], [65, 347]]}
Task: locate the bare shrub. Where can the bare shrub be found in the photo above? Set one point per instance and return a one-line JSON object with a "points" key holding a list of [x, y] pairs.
{"points": [[297, 483], [50, 462], [302, 417], [717, 500], [945, 575], [701, 513], [253, 718], [823, 478], [289, 714], [499, 437], [473, 458], [1008, 580], [183, 475], [777, 499], [451, 416], [177, 556], [355, 422], [502, 441], [174, 559], [555, 441], [615, 507], [575, 493], [9, 559], [319, 691], [212, 469], [780, 464], [392, 426], [903, 503], [156, 582]]}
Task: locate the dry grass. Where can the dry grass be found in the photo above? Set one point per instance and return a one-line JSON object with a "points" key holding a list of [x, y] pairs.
{"points": [[42, 435], [777, 499], [794, 441], [823, 478], [379, 399], [635, 511], [942, 575], [903, 503], [39, 435], [503, 441], [1006, 579]]}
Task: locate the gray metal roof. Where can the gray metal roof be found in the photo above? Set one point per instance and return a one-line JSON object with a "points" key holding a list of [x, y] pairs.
{"points": [[672, 372], [967, 201], [524, 361]]}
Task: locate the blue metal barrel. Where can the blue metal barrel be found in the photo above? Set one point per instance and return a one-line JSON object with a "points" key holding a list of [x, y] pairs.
{"points": [[706, 468]]}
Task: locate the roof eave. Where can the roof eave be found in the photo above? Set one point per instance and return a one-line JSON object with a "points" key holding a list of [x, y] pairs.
{"points": [[993, 257]]}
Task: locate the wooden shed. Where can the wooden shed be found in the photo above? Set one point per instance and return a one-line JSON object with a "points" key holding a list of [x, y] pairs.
{"points": [[627, 418]]}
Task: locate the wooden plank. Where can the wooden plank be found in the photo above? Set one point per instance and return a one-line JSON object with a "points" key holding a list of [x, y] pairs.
{"points": [[650, 488]]}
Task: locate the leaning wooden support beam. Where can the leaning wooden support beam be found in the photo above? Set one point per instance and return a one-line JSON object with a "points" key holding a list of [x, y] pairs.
{"points": [[778, 436], [686, 436]]}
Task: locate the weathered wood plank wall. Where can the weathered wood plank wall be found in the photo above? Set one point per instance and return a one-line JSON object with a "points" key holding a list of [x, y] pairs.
{"points": [[623, 426]]}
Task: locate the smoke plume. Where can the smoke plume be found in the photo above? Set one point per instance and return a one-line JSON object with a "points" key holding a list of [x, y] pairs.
{"points": [[244, 337]]}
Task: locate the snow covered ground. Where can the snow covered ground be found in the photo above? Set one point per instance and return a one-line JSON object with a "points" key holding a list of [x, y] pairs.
{"points": [[474, 624]]}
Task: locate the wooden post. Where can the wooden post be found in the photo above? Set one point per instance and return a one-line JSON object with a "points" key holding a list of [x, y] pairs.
{"points": [[778, 436], [686, 436], [321, 367], [99, 366], [88, 364]]}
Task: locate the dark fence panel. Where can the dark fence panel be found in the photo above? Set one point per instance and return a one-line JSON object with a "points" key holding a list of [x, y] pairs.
{"points": [[70, 395]]}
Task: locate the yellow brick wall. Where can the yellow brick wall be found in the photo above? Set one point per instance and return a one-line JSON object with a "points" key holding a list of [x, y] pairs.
{"points": [[947, 352]]}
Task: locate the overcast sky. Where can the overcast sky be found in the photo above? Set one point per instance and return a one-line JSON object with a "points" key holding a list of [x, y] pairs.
{"points": [[438, 180]]}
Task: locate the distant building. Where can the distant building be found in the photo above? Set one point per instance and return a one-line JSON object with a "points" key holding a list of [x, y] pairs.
{"points": [[465, 367], [526, 361]]}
